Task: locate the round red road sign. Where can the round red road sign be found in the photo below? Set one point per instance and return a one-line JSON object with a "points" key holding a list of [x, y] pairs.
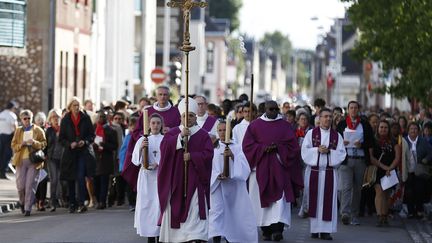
{"points": [[158, 75]]}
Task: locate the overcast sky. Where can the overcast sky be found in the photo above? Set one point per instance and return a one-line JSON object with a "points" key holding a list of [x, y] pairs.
{"points": [[292, 17]]}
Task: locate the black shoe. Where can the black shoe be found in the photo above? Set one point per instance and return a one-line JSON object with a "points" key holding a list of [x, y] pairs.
{"points": [[315, 235], [217, 239], [325, 236], [53, 209], [27, 213], [345, 219], [3, 175], [267, 237], [101, 206], [22, 209], [277, 236], [72, 209], [82, 209]]}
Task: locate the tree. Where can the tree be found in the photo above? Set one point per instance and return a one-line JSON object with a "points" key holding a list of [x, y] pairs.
{"points": [[399, 34], [279, 43], [228, 9]]}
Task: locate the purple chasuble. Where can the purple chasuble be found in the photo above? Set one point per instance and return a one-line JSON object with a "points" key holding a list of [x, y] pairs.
{"points": [[171, 175], [209, 123], [279, 171], [314, 178], [171, 118]]}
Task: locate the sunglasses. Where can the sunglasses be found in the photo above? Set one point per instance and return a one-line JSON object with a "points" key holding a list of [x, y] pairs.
{"points": [[273, 109], [25, 118]]}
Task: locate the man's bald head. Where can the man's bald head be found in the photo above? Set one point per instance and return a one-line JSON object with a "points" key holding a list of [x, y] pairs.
{"points": [[271, 109]]}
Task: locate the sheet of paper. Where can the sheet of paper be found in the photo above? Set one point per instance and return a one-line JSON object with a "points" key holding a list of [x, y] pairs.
{"points": [[389, 181], [98, 140], [351, 137], [27, 135]]}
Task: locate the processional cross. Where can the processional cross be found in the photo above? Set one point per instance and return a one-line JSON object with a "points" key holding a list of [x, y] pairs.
{"points": [[186, 6]]}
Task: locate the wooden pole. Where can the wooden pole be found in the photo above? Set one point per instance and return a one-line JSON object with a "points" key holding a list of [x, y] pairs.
{"points": [[251, 98], [186, 7]]}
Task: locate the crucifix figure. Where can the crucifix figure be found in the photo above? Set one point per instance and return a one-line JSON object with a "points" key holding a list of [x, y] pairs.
{"points": [[186, 7]]}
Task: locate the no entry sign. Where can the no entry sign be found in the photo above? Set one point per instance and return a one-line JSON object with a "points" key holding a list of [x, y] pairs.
{"points": [[158, 75]]}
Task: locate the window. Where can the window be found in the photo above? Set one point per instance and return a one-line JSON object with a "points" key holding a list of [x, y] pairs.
{"points": [[12, 23], [210, 57], [137, 66], [138, 5]]}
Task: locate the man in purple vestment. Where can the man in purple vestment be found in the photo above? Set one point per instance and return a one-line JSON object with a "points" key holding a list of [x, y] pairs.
{"points": [[274, 158], [171, 118], [184, 214]]}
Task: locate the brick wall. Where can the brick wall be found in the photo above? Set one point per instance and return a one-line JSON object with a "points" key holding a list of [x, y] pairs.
{"points": [[21, 77]]}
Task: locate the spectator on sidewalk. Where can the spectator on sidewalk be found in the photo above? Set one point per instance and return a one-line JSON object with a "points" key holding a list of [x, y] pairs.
{"points": [[352, 169], [78, 161], [54, 153], [385, 154], [26, 171], [42, 187], [414, 171], [8, 124]]}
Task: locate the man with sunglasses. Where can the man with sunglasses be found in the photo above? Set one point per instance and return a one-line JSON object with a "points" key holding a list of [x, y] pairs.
{"points": [[273, 154]]}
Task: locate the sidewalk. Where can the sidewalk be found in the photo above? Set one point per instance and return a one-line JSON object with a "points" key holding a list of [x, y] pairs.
{"points": [[8, 194]]}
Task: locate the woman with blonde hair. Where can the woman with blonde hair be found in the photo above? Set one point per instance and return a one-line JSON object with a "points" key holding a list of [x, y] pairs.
{"points": [[27, 138], [78, 160], [54, 153]]}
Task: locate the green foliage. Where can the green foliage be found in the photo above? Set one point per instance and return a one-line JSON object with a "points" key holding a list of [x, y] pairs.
{"points": [[228, 9], [280, 43], [399, 34]]}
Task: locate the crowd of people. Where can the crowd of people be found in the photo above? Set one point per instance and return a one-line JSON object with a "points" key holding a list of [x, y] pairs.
{"points": [[221, 171]]}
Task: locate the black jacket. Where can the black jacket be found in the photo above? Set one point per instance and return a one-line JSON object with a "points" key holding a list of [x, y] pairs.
{"points": [[368, 136], [105, 160], [70, 156]]}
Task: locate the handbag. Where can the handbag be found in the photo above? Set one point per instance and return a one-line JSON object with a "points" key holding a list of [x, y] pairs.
{"points": [[36, 156], [422, 171], [369, 176]]}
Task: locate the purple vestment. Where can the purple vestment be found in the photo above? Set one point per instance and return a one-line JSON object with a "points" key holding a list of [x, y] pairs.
{"points": [[275, 174], [171, 118], [209, 123], [171, 175]]}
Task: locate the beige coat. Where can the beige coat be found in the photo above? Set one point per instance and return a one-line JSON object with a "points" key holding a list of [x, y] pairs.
{"points": [[18, 148]]}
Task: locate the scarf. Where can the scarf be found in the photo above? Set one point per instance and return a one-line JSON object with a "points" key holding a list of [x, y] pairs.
{"points": [[301, 132], [75, 121], [350, 122], [100, 131]]}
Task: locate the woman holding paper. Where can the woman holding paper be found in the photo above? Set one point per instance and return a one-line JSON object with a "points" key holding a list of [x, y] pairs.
{"points": [[385, 154], [105, 144], [26, 137]]}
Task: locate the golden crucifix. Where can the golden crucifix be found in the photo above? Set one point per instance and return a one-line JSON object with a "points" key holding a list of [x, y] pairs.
{"points": [[186, 6]]}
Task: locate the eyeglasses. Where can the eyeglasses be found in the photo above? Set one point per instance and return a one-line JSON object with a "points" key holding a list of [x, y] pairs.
{"points": [[25, 118], [273, 109]]}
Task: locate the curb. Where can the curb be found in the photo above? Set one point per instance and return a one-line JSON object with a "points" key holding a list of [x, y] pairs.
{"points": [[6, 207]]}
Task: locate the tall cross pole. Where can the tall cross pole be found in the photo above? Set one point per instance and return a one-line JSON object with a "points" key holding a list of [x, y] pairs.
{"points": [[186, 7]]}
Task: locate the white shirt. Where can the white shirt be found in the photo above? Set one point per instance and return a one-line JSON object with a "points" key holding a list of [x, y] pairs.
{"points": [[413, 155], [8, 122]]}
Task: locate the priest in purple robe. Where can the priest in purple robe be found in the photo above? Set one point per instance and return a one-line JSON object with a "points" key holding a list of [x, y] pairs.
{"points": [[273, 154], [206, 122], [322, 151], [171, 118], [185, 218]]}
